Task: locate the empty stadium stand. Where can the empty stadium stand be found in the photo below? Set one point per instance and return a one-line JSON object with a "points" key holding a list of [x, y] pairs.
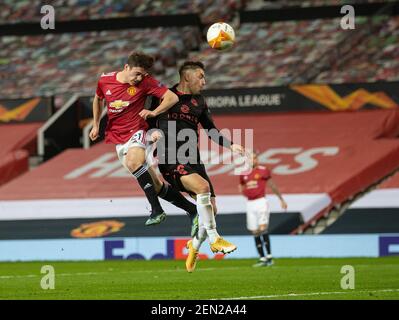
{"points": [[374, 212], [268, 53], [97, 9], [16, 140], [374, 59], [262, 4], [319, 161], [74, 61]]}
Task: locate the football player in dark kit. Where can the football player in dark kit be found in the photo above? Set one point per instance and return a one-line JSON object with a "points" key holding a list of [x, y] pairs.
{"points": [[179, 157]]}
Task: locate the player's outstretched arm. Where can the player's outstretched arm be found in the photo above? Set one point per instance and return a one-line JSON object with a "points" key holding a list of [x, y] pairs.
{"points": [[274, 188], [97, 108], [214, 133], [168, 100]]}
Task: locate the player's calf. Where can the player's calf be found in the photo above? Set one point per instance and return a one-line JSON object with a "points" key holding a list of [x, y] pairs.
{"points": [[173, 196]]}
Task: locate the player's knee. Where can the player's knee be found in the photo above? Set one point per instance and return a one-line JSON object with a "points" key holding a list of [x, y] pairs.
{"points": [[203, 188], [133, 164], [157, 185]]}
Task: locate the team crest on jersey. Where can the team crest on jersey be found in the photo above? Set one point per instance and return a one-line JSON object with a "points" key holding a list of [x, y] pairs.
{"points": [[131, 91], [194, 102], [117, 104], [185, 108], [257, 176]]}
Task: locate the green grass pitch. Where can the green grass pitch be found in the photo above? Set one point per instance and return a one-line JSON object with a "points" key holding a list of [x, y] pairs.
{"points": [[375, 278]]}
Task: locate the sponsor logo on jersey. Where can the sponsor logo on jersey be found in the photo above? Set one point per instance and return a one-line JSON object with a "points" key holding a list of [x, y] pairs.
{"points": [[257, 176], [108, 92], [97, 229], [131, 91], [182, 116], [118, 104], [108, 74], [181, 169], [252, 184], [185, 108]]}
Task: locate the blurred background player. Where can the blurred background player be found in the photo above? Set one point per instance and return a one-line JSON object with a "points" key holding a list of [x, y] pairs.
{"points": [[190, 176], [253, 187], [125, 93]]}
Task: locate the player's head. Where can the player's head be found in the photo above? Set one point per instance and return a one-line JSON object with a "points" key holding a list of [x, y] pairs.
{"points": [[137, 67], [192, 75]]}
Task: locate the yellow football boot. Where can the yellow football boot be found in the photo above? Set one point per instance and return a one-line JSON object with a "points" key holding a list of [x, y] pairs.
{"points": [[221, 245], [191, 259]]}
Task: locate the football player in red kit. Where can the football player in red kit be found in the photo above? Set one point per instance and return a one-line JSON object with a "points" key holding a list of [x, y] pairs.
{"points": [[253, 187], [125, 93]]}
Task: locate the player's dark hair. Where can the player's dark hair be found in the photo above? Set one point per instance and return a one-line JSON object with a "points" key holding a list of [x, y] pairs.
{"points": [[190, 65], [140, 59]]}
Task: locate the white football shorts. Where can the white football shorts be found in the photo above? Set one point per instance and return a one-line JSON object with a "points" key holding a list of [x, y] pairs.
{"points": [[258, 213], [138, 139]]}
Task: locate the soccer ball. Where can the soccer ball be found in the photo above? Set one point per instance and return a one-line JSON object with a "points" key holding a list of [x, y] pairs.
{"points": [[220, 36]]}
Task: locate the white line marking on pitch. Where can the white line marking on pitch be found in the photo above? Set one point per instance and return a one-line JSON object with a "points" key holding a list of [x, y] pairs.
{"points": [[178, 270], [105, 272], [306, 294]]}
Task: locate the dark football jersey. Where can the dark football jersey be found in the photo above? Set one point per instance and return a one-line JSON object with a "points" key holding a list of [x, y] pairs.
{"points": [[180, 125]]}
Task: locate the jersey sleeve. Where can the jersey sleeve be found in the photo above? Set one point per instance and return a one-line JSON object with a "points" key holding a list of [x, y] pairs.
{"points": [[99, 91], [154, 87], [266, 174], [213, 132], [150, 104]]}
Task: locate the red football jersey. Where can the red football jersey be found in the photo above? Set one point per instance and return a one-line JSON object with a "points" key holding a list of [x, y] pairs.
{"points": [[124, 103], [254, 183]]}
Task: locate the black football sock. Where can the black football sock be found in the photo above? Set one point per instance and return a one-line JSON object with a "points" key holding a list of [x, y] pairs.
{"points": [[176, 198], [145, 181], [259, 246], [266, 240]]}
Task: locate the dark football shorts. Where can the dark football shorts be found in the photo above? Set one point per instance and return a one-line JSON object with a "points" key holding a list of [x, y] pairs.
{"points": [[173, 172]]}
